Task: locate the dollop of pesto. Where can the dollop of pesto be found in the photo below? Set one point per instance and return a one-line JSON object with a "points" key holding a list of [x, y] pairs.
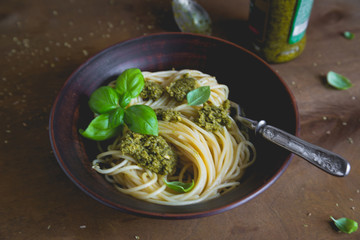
{"points": [[212, 118], [180, 87], [152, 91], [167, 115], [151, 152]]}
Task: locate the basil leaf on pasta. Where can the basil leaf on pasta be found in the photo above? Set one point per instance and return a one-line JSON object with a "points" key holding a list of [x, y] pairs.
{"points": [[180, 186], [141, 119], [131, 81], [99, 129], [103, 100], [198, 96]]}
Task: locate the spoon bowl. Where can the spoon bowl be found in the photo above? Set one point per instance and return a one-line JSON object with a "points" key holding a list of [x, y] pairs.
{"points": [[191, 17]]}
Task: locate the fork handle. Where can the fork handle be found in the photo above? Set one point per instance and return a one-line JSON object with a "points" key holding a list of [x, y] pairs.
{"points": [[320, 157]]}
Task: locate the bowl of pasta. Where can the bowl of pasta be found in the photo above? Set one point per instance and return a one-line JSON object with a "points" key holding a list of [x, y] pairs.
{"points": [[145, 126]]}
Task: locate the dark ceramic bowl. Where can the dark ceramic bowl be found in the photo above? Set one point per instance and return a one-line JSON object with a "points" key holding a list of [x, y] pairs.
{"points": [[261, 93]]}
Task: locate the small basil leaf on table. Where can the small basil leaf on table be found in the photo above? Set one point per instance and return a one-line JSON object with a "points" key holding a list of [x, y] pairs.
{"points": [[116, 117], [198, 96], [338, 81], [99, 129], [180, 186], [348, 35], [103, 100], [141, 119], [345, 225], [131, 81]]}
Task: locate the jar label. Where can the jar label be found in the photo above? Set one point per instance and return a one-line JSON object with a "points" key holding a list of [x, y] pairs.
{"points": [[301, 20]]}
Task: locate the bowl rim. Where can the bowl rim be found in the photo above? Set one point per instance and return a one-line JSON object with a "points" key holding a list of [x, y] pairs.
{"points": [[188, 215]]}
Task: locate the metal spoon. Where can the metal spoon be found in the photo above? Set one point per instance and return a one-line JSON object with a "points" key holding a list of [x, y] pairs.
{"points": [[320, 157], [191, 17]]}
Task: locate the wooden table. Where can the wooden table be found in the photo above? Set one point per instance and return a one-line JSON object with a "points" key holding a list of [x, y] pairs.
{"points": [[43, 42]]}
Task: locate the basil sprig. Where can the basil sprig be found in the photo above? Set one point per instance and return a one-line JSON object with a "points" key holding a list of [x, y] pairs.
{"points": [[110, 106], [198, 96], [180, 186], [345, 225]]}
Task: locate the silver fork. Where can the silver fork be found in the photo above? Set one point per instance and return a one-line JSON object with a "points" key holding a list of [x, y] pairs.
{"points": [[324, 159]]}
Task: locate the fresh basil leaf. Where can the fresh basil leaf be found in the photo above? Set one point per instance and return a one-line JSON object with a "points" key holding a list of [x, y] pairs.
{"points": [[345, 225], [131, 81], [116, 117], [348, 35], [180, 186], [198, 96], [103, 100], [141, 119], [124, 99], [99, 129], [338, 81]]}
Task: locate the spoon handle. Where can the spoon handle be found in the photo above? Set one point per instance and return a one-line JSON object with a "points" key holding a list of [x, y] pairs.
{"points": [[320, 157]]}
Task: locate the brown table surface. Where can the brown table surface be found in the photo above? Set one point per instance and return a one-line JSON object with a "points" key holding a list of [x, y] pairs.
{"points": [[43, 42]]}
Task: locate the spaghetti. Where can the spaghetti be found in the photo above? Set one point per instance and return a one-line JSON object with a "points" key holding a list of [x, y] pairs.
{"points": [[214, 160]]}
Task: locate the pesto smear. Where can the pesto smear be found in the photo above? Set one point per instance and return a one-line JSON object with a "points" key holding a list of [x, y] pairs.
{"points": [[212, 118], [151, 152], [180, 87]]}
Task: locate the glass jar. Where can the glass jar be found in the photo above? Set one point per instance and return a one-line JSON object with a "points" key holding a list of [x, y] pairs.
{"points": [[279, 28]]}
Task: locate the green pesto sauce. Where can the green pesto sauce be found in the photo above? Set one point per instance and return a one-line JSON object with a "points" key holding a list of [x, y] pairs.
{"points": [[179, 88], [152, 91], [212, 118], [151, 152], [275, 47], [167, 115]]}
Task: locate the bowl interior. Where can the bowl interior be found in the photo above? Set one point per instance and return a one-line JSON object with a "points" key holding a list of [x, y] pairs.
{"points": [[252, 83]]}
